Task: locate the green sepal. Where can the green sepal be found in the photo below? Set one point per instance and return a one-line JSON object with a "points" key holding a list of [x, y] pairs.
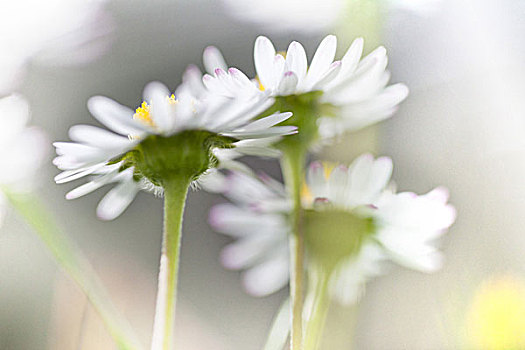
{"points": [[188, 153], [306, 111], [332, 235]]}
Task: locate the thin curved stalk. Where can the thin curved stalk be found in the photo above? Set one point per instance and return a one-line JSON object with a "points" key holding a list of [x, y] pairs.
{"points": [[71, 259]]}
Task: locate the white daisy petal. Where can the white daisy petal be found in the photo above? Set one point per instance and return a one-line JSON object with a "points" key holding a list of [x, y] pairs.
{"points": [[92, 135], [264, 54], [80, 152], [337, 180], [115, 116], [348, 283], [98, 182], [214, 85], [439, 194], [212, 59], [245, 252], [279, 63], [157, 95], [288, 84], [323, 57], [380, 175], [296, 60], [117, 200], [267, 278], [352, 56], [271, 132], [192, 85], [266, 122], [231, 220], [71, 175], [329, 76], [315, 178]]}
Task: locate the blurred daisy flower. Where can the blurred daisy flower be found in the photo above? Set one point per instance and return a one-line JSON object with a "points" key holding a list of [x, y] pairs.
{"points": [[327, 97], [166, 135], [309, 16], [23, 148], [257, 220], [496, 317], [352, 222], [51, 32]]}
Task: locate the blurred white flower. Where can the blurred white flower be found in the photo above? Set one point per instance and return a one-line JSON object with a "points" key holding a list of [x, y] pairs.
{"points": [[53, 31], [355, 88], [308, 16], [23, 148], [257, 219], [402, 226], [222, 125]]}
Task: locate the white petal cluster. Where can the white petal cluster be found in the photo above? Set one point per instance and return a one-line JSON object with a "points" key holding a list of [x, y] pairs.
{"points": [[406, 225], [53, 31], [23, 148], [257, 220], [356, 87], [93, 148]]}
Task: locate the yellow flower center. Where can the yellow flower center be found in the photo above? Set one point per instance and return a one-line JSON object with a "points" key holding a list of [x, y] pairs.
{"points": [[306, 194], [260, 85], [496, 319], [172, 100], [143, 113]]}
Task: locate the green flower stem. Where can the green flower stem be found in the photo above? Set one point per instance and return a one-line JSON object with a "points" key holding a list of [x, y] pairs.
{"points": [[317, 320], [292, 164], [70, 258], [175, 192]]}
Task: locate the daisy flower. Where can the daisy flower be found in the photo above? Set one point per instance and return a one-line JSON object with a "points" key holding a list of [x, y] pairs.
{"points": [[23, 148], [327, 97], [164, 136], [353, 221]]}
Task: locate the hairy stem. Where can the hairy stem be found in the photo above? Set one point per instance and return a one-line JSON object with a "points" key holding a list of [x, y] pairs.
{"points": [[292, 164], [71, 259], [175, 192]]}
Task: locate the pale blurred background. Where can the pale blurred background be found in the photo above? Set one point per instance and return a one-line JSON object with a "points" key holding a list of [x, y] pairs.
{"points": [[463, 126]]}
